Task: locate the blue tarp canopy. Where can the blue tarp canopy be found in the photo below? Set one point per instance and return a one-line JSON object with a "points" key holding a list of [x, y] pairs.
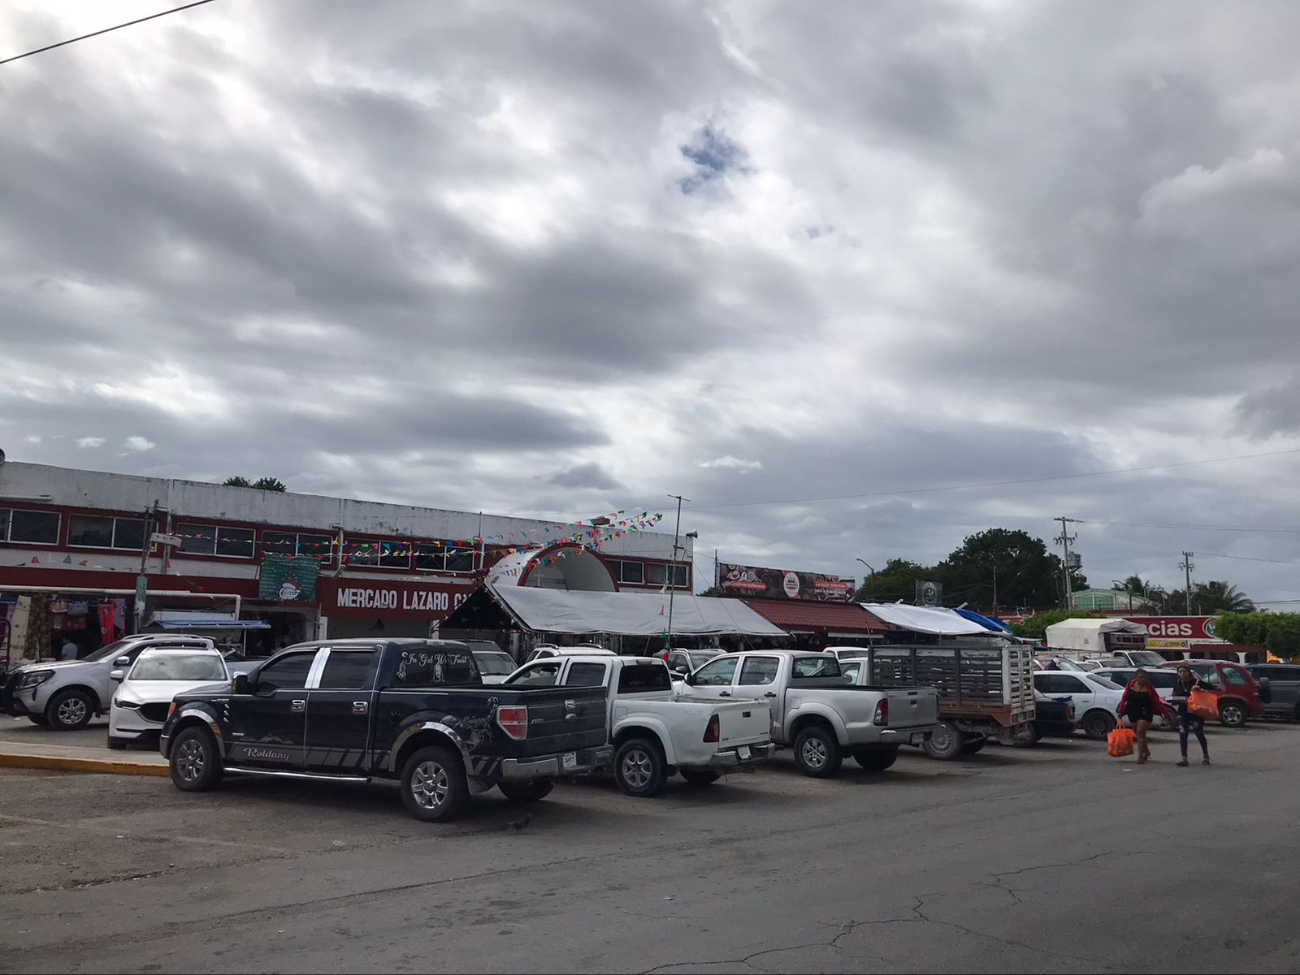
{"points": [[997, 626], [217, 624]]}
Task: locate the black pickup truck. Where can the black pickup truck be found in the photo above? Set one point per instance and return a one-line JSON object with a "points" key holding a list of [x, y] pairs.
{"points": [[413, 710]]}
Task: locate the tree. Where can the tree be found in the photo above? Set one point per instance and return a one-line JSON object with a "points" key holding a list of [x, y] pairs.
{"points": [[236, 481], [1035, 627], [897, 580], [1245, 629], [1014, 563], [1284, 634], [269, 484], [1220, 597]]}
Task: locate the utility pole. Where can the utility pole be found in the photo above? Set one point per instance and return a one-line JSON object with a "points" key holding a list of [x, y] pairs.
{"points": [[1187, 566], [1064, 539], [672, 580]]}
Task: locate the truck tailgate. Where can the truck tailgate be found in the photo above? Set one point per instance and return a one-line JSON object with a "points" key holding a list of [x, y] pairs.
{"points": [[743, 723], [912, 707]]}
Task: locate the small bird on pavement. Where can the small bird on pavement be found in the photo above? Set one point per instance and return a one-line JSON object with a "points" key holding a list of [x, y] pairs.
{"points": [[518, 824]]}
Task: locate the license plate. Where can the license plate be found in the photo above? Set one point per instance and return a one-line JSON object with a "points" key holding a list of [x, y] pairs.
{"points": [[570, 760], [744, 751], [918, 739]]}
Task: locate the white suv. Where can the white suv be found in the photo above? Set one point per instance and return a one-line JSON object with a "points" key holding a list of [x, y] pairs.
{"points": [[142, 701], [66, 694]]}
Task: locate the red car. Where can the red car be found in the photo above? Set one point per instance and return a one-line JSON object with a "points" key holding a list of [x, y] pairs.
{"points": [[1240, 697]]}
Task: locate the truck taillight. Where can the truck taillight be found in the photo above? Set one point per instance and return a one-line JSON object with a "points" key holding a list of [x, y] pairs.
{"points": [[514, 722], [714, 731], [881, 718]]}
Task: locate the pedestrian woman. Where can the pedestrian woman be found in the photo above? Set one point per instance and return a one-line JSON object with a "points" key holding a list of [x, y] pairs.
{"points": [[1189, 723], [1140, 704]]}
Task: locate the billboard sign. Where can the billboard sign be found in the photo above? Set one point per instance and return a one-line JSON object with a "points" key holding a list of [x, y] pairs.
{"points": [[929, 593], [764, 583], [1177, 627]]}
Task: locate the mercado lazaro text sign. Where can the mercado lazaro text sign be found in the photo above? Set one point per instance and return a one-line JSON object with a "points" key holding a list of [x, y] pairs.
{"points": [[750, 580], [379, 598]]}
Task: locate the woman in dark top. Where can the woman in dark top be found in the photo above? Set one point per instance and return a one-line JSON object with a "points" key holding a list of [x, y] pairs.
{"points": [[1189, 723], [1140, 704]]}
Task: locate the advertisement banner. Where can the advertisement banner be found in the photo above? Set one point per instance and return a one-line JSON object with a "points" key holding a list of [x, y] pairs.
{"points": [[751, 580], [289, 578], [1177, 627]]}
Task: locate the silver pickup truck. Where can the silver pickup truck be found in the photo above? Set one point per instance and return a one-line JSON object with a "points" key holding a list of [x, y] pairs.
{"points": [[816, 711]]}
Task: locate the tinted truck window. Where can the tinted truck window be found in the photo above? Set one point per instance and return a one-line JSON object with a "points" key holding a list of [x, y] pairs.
{"points": [[816, 667], [641, 678], [429, 667]]}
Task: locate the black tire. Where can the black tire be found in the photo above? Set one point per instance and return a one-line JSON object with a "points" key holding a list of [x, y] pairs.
{"points": [[1098, 724], [527, 791], [817, 752], [1232, 714], [70, 710], [196, 761], [973, 745], [639, 767], [695, 777], [117, 744], [38, 719], [1033, 736], [434, 788], [945, 743], [877, 759]]}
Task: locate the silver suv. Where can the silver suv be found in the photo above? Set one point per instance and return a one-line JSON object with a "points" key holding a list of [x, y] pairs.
{"points": [[65, 695]]}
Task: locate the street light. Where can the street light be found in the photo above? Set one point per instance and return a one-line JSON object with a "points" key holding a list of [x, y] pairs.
{"points": [[867, 564]]}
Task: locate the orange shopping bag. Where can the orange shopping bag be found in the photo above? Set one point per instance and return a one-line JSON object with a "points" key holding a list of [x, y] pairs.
{"points": [[1119, 742], [1203, 704]]}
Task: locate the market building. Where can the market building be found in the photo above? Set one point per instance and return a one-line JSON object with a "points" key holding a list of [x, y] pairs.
{"points": [[86, 556]]}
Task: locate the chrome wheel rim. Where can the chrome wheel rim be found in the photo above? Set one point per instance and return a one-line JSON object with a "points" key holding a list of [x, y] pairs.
{"points": [[190, 761], [637, 768], [813, 753], [430, 785], [72, 711]]}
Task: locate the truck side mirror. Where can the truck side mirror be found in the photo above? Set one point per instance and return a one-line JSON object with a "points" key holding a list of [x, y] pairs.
{"points": [[690, 679], [241, 684], [117, 675], [122, 662]]}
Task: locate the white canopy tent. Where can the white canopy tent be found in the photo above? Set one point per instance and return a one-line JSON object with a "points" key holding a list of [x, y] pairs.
{"points": [[630, 613], [924, 619]]}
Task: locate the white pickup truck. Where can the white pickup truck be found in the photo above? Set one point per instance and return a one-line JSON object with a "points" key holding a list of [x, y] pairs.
{"points": [[814, 709], [652, 732]]}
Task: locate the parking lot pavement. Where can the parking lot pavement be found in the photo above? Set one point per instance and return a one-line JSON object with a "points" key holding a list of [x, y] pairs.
{"points": [[1037, 860]]}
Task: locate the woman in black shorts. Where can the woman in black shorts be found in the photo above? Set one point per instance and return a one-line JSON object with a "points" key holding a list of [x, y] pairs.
{"points": [[1140, 704]]}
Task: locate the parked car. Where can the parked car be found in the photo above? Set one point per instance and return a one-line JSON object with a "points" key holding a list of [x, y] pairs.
{"points": [[984, 692], [1133, 659], [65, 695], [145, 692], [1053, 718], [1283, 688], [653, 733], [847, 653], [1096, 700], [548, 650], [494, 665], [1240, 697], [412, 710], [814, 710], [683, 662], [1162, 679]]}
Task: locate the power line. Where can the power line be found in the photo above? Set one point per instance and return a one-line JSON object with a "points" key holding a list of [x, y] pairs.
{"points": [[1197, 528], [73, 40], [1245, 558], [1020, 480]]}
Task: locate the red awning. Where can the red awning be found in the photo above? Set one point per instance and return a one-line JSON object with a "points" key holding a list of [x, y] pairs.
{"points": [[801, 616]]}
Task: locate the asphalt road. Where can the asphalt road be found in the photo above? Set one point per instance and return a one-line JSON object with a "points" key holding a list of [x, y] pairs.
{"points": [[1055, 859]]}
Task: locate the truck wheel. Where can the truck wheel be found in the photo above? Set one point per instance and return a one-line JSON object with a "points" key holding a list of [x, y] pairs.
{"points": [[696, 777], [877, 759], [38, 719], [527, 791], [195, 761], [1033, 736], [434, 789], [1098, 724], [1232, 714], [972, 745], [70, 710], [945, 743], [817, 752], [639, 767]]}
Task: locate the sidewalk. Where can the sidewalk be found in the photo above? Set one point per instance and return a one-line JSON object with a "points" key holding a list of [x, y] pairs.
{"points": [[23, 745]]}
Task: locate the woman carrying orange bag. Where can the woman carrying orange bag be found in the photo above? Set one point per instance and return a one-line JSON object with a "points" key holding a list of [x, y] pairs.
{"points": [[1189, 723], [1140, 704]]}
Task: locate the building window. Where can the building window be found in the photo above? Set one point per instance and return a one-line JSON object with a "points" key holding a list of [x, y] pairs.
{"points": [[445, 557], [98, 531], [298, 543], [656, 574], [220, 540], [32, 527], [372, 551], [632, 573]]}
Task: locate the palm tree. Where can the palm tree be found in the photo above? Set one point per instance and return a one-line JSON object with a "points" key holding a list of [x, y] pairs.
{"points": [[1220, 597]]}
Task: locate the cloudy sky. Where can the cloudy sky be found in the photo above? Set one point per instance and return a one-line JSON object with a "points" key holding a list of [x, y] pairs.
{"points": [[566, 257]]}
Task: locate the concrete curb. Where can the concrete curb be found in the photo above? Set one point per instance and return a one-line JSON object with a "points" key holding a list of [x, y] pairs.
{"points": [[95, 765]]}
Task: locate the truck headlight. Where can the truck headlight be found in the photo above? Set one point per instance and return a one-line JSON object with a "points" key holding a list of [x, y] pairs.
{"points": [[34, 678]]}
